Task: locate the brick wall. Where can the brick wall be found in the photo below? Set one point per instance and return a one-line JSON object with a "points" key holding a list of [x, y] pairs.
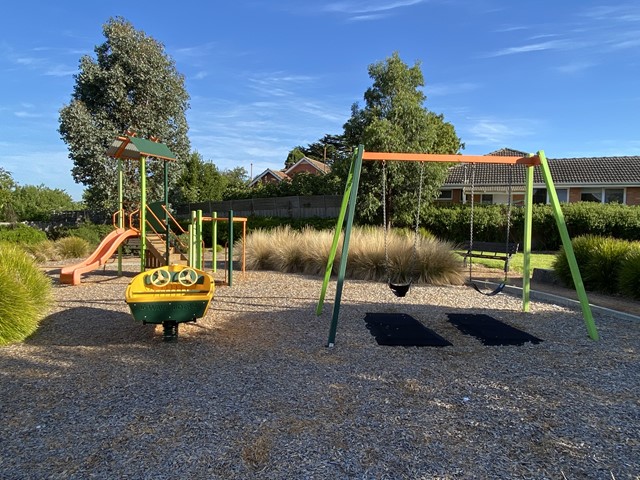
{"points": [[633, 196], [574, 195]]}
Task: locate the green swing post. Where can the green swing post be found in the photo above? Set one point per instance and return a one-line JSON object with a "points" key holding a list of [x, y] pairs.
{"points": [[526, 248], [353, 195], [336, 234], [568, 248], [230, 266]]}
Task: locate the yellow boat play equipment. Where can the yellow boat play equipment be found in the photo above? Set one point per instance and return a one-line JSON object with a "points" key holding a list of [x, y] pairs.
{"points": [[170, 295]]}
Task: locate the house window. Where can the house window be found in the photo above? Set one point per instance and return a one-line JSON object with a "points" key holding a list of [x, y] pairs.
{"points": [[602, 195], [539, 195], [591, 195], [614, 195], [486, 199], [563, 195], [446, 195]]}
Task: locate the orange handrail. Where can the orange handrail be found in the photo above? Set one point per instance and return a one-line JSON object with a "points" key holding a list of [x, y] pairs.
{"points": [[160, 222], [130, 216]]}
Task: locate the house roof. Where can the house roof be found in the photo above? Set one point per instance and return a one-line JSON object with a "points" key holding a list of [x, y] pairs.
{"points": [[318, 165], [277, 174], [564, 171]]}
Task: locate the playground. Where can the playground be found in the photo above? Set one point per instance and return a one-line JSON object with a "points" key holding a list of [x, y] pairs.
{"points": [[487, 383], [251, 391]]}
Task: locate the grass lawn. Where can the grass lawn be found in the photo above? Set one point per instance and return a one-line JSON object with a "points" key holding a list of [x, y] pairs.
{"points": [[538, 260]]}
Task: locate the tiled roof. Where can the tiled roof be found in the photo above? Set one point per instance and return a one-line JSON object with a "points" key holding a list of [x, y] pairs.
{"points": [[277, 174], [508, 152], [564, 171], [318, 165]]}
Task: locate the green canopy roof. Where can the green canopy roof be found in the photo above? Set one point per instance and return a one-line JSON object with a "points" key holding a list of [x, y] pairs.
{"points": [[132, 148]]}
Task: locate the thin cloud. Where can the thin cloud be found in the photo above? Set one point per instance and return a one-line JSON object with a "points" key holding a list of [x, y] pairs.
{"points": [[23, 114], [574, 67], [620, 13], [488, 131], [537, 47], [360, 7]]}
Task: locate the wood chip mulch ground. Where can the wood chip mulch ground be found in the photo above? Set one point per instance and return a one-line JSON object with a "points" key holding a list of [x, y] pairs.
{"points": [[251, 392]]}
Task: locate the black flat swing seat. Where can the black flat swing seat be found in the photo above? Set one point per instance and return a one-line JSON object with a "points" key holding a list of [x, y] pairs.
{"points": [[399, 289]]}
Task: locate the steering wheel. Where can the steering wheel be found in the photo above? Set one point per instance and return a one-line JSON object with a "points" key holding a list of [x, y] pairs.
{"points": [[160, 278], [187, 277]]}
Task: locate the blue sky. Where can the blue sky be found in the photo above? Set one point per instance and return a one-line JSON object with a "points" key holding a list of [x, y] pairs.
{"points": [[265, 76]]}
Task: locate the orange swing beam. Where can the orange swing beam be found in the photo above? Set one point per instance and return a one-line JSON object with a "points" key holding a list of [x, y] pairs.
{"points": [[434, 157]]}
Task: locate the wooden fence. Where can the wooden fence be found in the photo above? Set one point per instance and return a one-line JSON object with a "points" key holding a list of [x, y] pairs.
{"points": [[322, 206]]}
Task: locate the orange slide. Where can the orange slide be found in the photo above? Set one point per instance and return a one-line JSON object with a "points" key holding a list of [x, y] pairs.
{"points": [[71, 274]]}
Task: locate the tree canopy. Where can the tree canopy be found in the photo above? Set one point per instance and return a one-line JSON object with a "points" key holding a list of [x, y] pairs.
{"points": [[200, 181], [394, 119], [29, 202], [130, 84]]}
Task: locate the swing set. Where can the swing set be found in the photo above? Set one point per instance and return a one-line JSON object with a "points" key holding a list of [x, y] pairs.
{"points": [[347, 211]]}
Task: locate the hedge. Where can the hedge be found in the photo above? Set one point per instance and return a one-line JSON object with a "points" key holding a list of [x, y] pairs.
{"points": [[610, 220]]}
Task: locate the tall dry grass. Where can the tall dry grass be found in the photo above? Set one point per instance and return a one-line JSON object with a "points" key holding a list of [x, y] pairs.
{"points": [[286, 250]]}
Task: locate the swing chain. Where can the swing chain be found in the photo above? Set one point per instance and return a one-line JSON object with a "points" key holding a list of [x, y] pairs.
{"points": [[384, 218], [509, 205], [417, 229]]}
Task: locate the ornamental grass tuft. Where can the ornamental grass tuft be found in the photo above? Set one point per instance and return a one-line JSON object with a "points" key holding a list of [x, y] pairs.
{"points": [[308, 251], [72, 247], [25, 294]]}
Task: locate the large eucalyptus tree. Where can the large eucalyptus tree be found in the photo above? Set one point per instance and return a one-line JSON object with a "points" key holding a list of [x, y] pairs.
{"points": [[130, 84]]}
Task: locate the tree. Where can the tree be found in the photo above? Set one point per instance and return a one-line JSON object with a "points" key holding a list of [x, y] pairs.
{"points": [[200, 181], [131, 83], [7, 187], [294, 156], [395, 120], [329, 149], [37, 203], [237, 183]]}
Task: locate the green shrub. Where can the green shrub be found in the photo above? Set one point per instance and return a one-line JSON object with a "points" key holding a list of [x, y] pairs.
{"points": [[629, 274], [25, 294], [451, 222], [93, 234], [22, 234], [582, 248], [42, 252], [601, 261], [72, 247], [603, 267]]}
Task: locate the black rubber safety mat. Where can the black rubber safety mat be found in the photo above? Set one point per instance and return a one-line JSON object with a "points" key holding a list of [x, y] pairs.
{"points": [[489, 330], [400, 329]]}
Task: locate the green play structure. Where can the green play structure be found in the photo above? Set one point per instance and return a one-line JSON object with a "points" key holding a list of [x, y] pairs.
{"points": [[539, 160]]}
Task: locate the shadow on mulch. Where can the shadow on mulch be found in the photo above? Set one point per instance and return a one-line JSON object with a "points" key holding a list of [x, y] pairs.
{"points": [[489, 330], [88, 326]]}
